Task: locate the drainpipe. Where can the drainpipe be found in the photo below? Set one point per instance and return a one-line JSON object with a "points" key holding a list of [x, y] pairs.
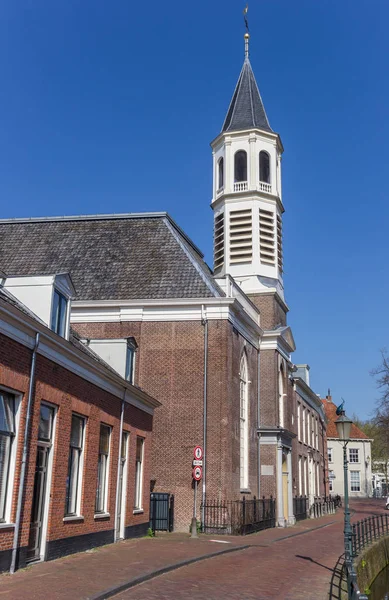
{"points": [[24, 456], [116, 536], [204, 322], [259, 423]]}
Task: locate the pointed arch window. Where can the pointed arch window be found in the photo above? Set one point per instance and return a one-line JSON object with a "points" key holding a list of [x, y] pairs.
{"points": [[264, 167], [244, 425], [220, 174], [240, 166], [281, 396]]}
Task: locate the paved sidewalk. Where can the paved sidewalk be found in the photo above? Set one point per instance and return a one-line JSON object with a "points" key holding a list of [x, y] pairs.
{"points": [[277, 563]]}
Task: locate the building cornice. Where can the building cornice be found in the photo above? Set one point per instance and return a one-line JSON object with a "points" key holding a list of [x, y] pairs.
{"points": [[169, 309], [22, 329]]}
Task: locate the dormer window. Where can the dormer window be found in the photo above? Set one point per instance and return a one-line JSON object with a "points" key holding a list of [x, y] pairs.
{"points": [[59, 313], [264, 167], [132, 347]]}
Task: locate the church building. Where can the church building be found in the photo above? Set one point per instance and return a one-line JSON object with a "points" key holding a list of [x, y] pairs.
{"points": [[212, 346]]}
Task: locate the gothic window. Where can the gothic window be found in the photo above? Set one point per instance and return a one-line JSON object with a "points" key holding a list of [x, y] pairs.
{"points": [[281, 396], [220, 174], [244, 425], [240, 166], [264, 167]]}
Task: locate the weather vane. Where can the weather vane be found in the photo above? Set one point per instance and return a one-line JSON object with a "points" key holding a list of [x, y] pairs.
{"points": [[245, 11]]}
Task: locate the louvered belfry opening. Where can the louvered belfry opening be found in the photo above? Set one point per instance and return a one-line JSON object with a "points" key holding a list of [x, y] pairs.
{"points": [[218, 234], [279, 244], [266, 237], [241, 242]]}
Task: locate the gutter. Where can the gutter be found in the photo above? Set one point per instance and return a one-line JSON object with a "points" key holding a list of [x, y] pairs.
{"points": [[204, 322], [259, 423], [116, 533], [24, 456]]}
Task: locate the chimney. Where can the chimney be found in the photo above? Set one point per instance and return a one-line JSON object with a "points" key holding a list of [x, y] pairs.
{"points": [[303, 372]]}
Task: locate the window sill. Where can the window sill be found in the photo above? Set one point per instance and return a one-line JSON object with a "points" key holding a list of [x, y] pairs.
{"points": [[7, 525], [73, 518], [245, 491], [102, 516], [138, 511]]}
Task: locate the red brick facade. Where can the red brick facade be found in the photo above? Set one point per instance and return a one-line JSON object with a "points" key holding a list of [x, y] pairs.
{"points": [[69, 393]]}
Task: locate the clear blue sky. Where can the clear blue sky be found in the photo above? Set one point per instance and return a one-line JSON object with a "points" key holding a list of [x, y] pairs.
{"points": [[110, 107]]}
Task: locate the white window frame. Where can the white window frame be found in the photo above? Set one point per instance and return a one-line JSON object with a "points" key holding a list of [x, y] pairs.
{"points": [[243, 425], [330, 481], [353, 482], [355, 454], [65, 326], [298, 421], [138, 489], [330, 455], [304, 426], [80, 468], [316, 434], [104, 510], [12, 460], [300, 477], [131, 351]]}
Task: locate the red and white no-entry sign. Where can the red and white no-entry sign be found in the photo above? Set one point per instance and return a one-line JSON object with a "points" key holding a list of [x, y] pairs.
{"points": [[198, 453], [197, 473]]}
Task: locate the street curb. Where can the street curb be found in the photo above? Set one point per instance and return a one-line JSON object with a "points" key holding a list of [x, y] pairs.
{"points": [[113, 591]]}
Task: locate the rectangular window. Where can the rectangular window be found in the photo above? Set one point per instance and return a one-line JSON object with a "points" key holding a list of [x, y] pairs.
{"points": [[59, 314], [139, 473], [355, 481], [130, 361], [102, 470], [300, 477], [317, 434], [298, 421], [304, 427], [329, 451], [354, 455], [7, 437], [331, 478], [74, 479]]}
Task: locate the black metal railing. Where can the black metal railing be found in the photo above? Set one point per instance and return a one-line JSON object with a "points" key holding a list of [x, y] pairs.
{"points": [[238, 517], [368, 530], [300, 507], [320, 508]]}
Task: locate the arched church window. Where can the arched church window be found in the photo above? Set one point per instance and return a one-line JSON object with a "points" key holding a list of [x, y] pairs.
{"points": [[264, 167], [244, 425], [220, 174], [281, 396], [240, 166]]}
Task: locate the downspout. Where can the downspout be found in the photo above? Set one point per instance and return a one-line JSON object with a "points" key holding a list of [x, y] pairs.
{"points": [[116, 536], [259, 423], [24, 456], [204, 322]]}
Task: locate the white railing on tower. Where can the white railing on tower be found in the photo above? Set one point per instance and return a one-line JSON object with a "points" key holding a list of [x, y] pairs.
{"points": [[264, 187], [240, 186]]}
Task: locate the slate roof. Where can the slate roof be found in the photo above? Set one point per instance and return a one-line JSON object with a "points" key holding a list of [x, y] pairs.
{"points": [[246, 110], [109, 257], [330, 410]]}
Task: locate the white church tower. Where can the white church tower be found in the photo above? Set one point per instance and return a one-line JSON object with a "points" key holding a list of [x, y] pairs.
{"points": [[247, 197]]}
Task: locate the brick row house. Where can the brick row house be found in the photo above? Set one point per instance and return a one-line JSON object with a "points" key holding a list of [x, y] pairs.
{"points": [[213, 347], [75, 437]]}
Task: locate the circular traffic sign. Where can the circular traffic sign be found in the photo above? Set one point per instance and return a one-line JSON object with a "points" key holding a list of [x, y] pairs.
{"points": [[197, 473], [198, 453]]}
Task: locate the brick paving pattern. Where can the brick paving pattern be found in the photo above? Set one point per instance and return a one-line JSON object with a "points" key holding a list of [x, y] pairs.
{"points": [[283, 564]]}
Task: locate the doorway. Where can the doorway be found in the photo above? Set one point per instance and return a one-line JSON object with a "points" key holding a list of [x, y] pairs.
{"points": [[39, 510], [122, 489]]}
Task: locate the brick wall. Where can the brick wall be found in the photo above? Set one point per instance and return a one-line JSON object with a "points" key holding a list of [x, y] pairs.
{"points": [[170, 366], [70, 393], [272, 311]]}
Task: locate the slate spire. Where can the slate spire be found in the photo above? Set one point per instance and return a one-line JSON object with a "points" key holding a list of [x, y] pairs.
{"points": [[246, 110]]}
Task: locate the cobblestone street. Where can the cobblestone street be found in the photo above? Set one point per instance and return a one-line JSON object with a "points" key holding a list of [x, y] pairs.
{"points": [[285, 564]]}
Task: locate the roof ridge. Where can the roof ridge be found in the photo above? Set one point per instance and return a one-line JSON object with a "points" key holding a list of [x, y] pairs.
{"points": [[94, 217]]}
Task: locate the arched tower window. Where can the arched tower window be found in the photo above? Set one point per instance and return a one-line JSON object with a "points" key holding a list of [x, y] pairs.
{"points": [[240, 169], [220, 174], [244, 425], [264, 167]]}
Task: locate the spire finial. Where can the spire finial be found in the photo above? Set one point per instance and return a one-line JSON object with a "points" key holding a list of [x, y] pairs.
{"points": [[247, 34]]}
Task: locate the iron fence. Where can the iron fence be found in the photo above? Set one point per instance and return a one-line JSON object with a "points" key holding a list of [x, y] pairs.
{"points": [[319, 509], [368, 530], [300, 507], [238, 517]]}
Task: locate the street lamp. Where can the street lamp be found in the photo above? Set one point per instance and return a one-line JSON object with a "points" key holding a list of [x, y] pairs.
{"points": [[343, 426]]}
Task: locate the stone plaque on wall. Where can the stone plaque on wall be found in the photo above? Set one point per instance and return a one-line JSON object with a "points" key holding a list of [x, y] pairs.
{"points": [[267, 470]]}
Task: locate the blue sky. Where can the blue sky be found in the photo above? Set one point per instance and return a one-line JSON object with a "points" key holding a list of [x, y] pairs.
{"points": [[110, 107]]}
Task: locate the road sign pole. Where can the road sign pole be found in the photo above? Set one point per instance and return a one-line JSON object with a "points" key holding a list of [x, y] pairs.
{"points": [[193, 529]]}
